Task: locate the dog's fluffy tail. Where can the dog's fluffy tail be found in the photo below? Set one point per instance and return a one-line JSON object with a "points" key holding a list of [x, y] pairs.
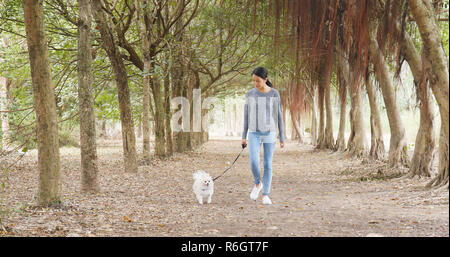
{"points": [[198, 174]]}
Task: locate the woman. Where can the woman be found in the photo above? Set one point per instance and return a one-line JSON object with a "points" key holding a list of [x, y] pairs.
{"points": [[262, 111]]}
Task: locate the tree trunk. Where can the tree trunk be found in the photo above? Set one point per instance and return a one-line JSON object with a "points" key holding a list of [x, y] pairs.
{"points": [[139, 130], [126, 118], [326, 139], [329, 138], [377, 150], [321, 128], [196, 108], [167, 111], [397, 147], [176, 91], [4, 107], [177, 79], [437, 71], [89, 167], [146, 84], [44, 104], [342, 82], [425, 141], [356, 143], [189, 95], [314, 137], [205, 135], [103, 131], [301, 128], [158, 98], [293, 133], [295, 120], [441, 178], [283, 107]]}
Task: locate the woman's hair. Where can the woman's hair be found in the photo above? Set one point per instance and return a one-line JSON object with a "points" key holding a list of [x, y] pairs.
{"points": [[262, 73]]}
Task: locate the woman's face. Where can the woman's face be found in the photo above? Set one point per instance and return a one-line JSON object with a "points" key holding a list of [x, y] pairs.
{"points": [[259, 82]]}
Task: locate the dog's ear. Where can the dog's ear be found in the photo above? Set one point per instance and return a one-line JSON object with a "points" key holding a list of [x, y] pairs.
{"points": [[196, 175]]}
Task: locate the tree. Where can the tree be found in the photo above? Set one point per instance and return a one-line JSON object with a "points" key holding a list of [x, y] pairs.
{"points": [[342, 84], [425, 140], [326, 140], [397, 147], [4, 108], [146, 80], [44, 104], [89, 167], [356, 144], [436, 67], [377, 144], [109, 44]]}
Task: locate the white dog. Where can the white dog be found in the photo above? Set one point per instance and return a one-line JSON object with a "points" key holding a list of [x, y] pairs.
{"points": [[203, 186]]}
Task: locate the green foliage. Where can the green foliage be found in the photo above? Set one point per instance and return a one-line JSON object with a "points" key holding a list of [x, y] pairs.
{"points": [[107, 105], [200, 42], [444, 26]]}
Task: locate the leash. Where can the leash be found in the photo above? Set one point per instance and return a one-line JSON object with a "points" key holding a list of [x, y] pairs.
{"points": [[243, 147]]}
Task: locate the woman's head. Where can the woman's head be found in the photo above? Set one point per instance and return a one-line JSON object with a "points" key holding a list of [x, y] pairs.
{"points": [[259, 76]]}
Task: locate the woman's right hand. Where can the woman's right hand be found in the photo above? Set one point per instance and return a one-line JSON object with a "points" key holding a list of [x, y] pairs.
{"points": [[244, 143]]}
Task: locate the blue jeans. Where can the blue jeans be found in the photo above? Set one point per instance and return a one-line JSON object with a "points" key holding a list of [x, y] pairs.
{"points": [[255, 139]]}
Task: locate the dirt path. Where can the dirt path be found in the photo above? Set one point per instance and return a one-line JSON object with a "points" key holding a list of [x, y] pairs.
{"points": [[313, 193]]}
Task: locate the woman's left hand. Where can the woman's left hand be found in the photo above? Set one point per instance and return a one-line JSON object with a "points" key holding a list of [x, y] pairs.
{"points": [[281, 144]]}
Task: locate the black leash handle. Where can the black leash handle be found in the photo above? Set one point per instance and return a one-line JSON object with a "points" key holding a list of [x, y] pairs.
{"points": [[243, 147]]}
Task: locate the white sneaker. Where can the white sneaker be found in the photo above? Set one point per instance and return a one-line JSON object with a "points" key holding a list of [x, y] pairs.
{"points": [[266, 200], [255, 192]]}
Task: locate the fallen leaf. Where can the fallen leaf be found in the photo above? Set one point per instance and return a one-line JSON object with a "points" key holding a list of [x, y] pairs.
{"points": [[127, 219]]}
